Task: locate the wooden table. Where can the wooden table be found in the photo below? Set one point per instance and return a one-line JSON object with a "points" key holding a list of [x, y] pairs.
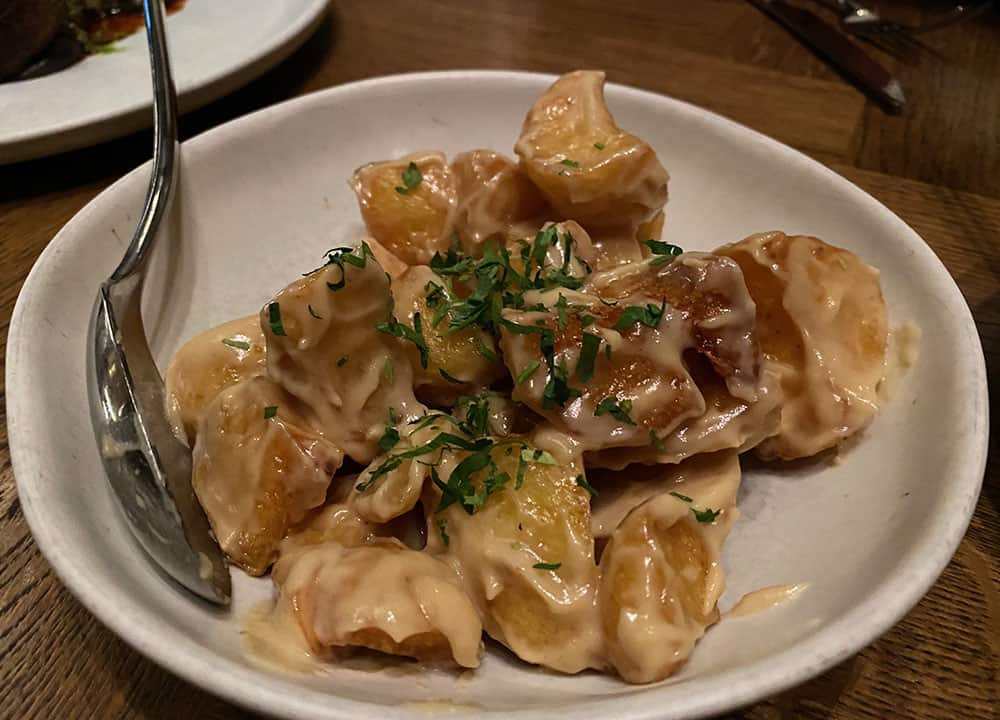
{"points": [[937, 166]]}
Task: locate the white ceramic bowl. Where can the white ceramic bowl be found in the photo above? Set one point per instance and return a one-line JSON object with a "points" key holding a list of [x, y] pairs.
{"points": [[261, 199]]}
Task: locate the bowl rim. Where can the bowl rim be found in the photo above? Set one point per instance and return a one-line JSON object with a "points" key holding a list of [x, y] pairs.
{"points": [[832, 643]]}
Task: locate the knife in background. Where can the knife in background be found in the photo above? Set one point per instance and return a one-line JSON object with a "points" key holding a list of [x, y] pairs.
{"points": [[833, 47]]}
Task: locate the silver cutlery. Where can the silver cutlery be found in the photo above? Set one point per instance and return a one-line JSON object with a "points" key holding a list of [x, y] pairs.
{"points": [[898, 38], [838, 51], [148, 467]]}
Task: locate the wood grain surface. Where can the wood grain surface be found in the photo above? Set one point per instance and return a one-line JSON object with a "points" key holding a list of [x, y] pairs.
{"points": [[937, 166]]}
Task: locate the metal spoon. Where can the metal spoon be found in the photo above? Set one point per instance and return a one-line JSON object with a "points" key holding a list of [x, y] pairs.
{"points": [[148, 467]]}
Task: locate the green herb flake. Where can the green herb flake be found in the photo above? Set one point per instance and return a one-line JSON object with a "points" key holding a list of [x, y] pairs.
{"points": [[270, 411], [485, 351], [664, 251], [582, 482], [390, 437], [588, 356], [449, 377], [442, 526], [547, 566], [539, 457], [238, 344], [313, 312], [415, 334], [274, 318], [617, 409], [343, 361], [528, 371], [655, 441], [411, 178], [685, 498], [650, 316], [569, 163], [587, 320], [599, 146], [522, 468], [706, 516], [562, 311]]}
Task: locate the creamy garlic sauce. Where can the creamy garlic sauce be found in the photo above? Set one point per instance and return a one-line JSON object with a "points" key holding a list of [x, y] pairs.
{"points": [[831, 371], [440, 707], [207, 364], [661, 578], [256, 476], [274, 640], [902, 354], [333, 359], [711, 481], [766, 598], [381, 596]]}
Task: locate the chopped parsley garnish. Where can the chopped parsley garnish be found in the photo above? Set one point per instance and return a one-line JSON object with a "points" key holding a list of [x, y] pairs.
{"points": [[415, 334], [390, 437], [541, 457], [476, 422], [547, 566], [707, 515], [588, 355], [313, 312], [449, 377], [270, 411], [599, 146], [342, 361], [485, 351], [664, 251], [274, 318], [618, 409], [654, 439], [528, 371], [582, 482], [587, 320], [442, 526], [238, 344], [411, 178], [562, 311], [569, 163], [650, 316], [345, 256]]}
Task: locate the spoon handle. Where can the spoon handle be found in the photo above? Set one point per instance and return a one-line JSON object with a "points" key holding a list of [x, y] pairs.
{"points": [[165, 147]]}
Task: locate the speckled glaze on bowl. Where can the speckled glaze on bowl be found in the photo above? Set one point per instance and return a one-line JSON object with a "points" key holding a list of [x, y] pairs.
{"points": [[262, 197]]}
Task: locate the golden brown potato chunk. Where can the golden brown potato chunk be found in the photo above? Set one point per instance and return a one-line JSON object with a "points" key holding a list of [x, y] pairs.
{"points": [[207, 364], [526, 557], [728, 422], [711, 480], [382, 596], [335, 522], [661, 576], [408, 204], [613, 366], [822, 319], [258, 468], [459, 362], [331, 343], [494, 199], [589, 169]]}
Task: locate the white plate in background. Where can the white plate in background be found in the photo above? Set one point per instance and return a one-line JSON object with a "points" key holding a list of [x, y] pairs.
{"points": [[263, 196], [215, 47]]}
